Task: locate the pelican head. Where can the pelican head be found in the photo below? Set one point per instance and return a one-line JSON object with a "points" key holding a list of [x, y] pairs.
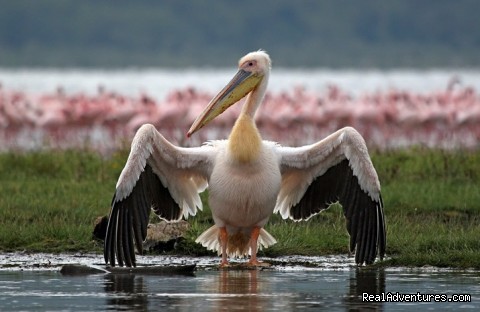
{"points": [[253, 68]]}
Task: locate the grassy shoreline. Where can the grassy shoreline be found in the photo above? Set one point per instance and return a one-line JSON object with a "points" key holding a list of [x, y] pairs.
{"points": [[49, 200]]}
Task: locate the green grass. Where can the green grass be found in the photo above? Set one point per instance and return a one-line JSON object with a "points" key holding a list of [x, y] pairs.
{"points": [[49, 201]]}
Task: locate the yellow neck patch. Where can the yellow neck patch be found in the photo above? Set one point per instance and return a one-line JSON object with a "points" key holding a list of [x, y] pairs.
{"points": [[245, 140]]}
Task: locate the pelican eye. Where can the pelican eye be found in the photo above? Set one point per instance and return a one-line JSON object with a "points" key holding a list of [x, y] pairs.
{"points": [[250, 63]]}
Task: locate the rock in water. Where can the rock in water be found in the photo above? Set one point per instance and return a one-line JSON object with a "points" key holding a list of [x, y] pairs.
{"points": [[100, 228], [163, 236]]}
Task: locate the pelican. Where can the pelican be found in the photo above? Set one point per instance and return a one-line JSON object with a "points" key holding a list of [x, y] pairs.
{"points": [[248, 180]]}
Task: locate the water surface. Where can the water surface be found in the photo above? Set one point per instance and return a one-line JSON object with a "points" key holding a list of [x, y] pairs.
{"points": [[159, 82], [275, 289]]}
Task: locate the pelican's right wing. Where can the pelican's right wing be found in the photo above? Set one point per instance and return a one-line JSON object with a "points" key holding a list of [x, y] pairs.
{"points": [[158, 176]]}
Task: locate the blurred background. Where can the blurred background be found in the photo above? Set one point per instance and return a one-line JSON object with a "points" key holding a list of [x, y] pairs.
{"points": [[306, 34], [387, 66]]}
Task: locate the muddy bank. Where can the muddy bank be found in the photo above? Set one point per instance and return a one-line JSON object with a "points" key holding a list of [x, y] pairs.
{"points": [[23, 261], [53, 262]]}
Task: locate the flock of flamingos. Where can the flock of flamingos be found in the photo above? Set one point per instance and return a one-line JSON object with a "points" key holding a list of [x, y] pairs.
{"points": [[448, 118]]}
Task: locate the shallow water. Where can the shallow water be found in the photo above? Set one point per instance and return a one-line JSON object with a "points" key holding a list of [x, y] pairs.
{"points": [[157, 82], [32, 282]]}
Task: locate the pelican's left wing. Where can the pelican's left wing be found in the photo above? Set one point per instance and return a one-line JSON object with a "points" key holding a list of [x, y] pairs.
{"points": [[158, 176], [337, 168]]}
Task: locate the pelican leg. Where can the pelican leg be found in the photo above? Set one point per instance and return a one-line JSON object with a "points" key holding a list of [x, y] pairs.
{"points": [[253, 247], [223, 243]]}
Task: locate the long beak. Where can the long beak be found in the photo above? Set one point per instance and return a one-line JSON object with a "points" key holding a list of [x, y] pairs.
{"points": [[241, 84]]}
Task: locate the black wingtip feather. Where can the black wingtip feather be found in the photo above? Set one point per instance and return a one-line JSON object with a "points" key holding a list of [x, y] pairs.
{"points": [[128, 221], [129, 245], [365, 217], [382, 230], [109, 246], [119, 237]]}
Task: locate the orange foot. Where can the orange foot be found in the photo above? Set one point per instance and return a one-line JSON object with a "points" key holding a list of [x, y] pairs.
{"points": [[224, 264]]}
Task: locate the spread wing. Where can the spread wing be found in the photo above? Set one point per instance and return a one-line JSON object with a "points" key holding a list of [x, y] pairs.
{"points": [[337, 168], [158, 176]]}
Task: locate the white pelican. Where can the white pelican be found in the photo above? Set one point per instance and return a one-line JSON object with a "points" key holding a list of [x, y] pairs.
{"points": [[248, 180]]}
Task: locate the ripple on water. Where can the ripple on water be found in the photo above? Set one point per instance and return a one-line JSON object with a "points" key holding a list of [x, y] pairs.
{"points": [[32, 282]]}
